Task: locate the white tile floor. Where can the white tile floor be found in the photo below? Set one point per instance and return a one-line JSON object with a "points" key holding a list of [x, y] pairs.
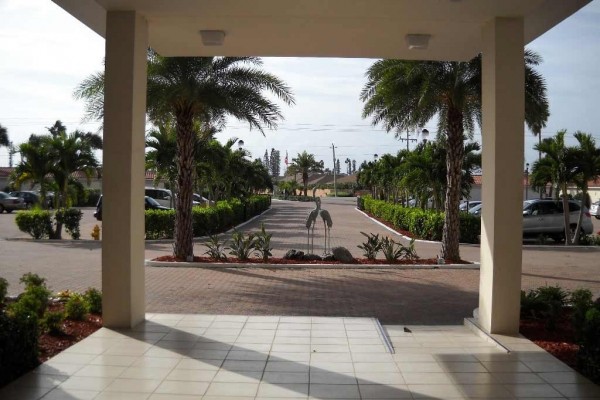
{"points": [[207, 357]]}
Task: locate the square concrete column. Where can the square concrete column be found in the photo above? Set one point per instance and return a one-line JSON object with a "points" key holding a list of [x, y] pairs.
{"points": [[503, 102], [123, 169]]}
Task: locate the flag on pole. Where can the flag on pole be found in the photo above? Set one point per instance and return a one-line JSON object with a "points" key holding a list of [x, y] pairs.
{"points": [[286, 159]]}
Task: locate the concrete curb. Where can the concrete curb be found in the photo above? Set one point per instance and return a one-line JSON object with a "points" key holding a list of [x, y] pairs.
{"points": [[394, 231], [216, 265]]}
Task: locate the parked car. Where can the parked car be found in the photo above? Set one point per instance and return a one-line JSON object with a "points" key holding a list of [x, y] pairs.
{"points": [[595, 210], [547, 217], [163, 196], [476, 209], [466, 205], [9, 203], [149, 204], [198, 200], [32, 199]]}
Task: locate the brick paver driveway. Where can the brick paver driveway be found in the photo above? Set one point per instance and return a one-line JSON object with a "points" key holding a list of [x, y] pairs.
{"points": [[394, 296]]}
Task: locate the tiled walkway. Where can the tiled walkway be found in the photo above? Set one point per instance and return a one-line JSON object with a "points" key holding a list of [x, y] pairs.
{"points": [[183, 357]]}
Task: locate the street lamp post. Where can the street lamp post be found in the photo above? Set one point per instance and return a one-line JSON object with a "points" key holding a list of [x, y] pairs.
{"points": [[526, 172]]}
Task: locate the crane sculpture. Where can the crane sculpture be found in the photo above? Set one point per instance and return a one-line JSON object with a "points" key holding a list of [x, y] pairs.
{"points": [[327, 223], [310, 226]]}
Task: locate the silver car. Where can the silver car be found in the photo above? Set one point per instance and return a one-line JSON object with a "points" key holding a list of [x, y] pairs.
{"points": [[9, 203], [547, 217]]}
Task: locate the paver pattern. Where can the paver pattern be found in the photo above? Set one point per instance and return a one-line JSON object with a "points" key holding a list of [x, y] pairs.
{"points": [[394, 296]]}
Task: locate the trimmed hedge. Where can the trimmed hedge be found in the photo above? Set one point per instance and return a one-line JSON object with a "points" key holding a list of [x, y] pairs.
{"points": [[40, 225], [425, 224], [18, 345], [207, 220]]}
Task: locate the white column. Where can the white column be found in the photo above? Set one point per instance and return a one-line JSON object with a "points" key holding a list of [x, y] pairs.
{"points": [[503, 128], [123, 170]]}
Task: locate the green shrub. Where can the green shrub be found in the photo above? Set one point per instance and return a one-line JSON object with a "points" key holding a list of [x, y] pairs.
{"points": [[242, 245], [93, 298], [424, 224], [30, 279], [371, 247], [88, 197], [588, 357], [262, 244], [3, 290], [555, 300], [159, 224], [222, 216], [76, 307], [34, 300], [52, 322], [531, 304], [216, 248], [70, 218], [18, 345], [360, 203], [37, 223], [581, 302]]}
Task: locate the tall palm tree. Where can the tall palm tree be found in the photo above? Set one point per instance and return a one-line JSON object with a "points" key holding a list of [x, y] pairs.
{"points": [[537, 109], [192, 90], [404, 95], [558, 163], [304, 164], [587, 168]]}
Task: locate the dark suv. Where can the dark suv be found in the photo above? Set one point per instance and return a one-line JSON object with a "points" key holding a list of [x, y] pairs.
{"points": [[149, 204]]}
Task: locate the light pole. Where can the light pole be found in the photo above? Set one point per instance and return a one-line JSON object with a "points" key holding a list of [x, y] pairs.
{"points": [[526, 173]]}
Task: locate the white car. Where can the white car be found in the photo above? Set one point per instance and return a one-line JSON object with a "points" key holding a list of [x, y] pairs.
{"points": [[595, 210]]}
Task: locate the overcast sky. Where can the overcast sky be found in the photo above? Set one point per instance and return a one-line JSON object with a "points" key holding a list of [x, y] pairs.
{"points": [[45, 53]]}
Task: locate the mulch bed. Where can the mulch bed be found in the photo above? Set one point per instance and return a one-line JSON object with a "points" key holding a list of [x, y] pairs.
{"points": [[73, 332], [281, 261], [559, 342]]}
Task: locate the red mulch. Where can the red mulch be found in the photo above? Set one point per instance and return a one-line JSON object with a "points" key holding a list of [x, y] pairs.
{"points": [[73, 332], [559, 342], [275, 260]]}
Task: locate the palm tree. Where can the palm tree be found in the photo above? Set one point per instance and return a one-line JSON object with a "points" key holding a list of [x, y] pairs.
{"points": [[557, 163], [537, 109], [35, 166], [4, 137], [71, 153], [404, 95], [587, 168], [193, 90], [304, 164], [160, 158]]}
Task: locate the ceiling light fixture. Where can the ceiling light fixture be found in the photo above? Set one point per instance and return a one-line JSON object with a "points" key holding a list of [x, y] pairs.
{"points": [[417, 41], [212, 37]]}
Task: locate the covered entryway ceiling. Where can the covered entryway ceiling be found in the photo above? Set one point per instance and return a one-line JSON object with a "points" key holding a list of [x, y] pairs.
{"points": [[325, 28]]}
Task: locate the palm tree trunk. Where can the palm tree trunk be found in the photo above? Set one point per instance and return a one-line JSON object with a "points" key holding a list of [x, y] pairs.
{"points": [[184, 234], [454, 159], [584, 191], [566, 214]]}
